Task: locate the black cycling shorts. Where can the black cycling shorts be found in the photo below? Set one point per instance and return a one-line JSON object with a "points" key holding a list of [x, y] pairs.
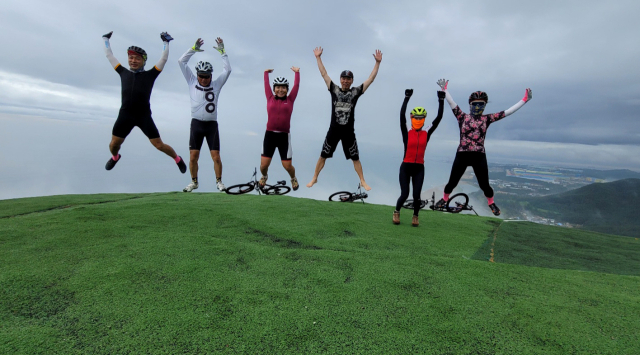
{"points": [[201, 130], [280, 140], [129, 119], [349, 143]]}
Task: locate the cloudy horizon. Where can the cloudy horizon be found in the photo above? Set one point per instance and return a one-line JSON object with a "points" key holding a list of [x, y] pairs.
{"points": [[59, 97]]}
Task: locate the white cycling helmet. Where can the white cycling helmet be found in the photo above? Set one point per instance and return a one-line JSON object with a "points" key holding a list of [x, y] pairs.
{"points": [[204, 67], [281, 80]]}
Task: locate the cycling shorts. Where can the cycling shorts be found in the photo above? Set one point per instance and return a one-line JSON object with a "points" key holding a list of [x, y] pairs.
{"points": [[201, 130], [280, 140], [349, 143], [128, 119]]}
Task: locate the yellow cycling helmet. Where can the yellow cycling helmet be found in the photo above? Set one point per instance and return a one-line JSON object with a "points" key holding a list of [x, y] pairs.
{"points": [[419, 112]]}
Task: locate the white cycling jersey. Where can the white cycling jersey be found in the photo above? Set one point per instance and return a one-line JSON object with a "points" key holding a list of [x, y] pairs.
{"points": [[204, 100]]}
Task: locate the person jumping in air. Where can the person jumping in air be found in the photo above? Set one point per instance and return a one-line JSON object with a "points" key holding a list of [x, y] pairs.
{"points": [[136, 92], [279, 109], [343, 105], [415, 142], [473, 129], [204, 94]]}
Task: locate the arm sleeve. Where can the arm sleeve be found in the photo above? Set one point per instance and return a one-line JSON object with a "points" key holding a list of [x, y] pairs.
{"points": [[163, 57], [186, 71], [450, 100], [403, 121], [514, 108], [226, 71], [436, 121], [267, 88], [107, 50], [296, 85]]}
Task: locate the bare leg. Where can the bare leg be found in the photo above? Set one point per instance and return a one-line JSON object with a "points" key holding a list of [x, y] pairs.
{"points": [[288, 166], [114, 146], [319, 166], [194, 155], [217, 163], [264, 165], [358, 166], [165, 148]]}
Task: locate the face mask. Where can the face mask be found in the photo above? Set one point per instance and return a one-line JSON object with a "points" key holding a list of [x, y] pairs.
{"points": [[417, 124], [477, 108]]}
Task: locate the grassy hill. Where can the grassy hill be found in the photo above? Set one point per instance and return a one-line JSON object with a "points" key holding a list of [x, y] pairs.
{"points": [[608, 207], [176, 273]]}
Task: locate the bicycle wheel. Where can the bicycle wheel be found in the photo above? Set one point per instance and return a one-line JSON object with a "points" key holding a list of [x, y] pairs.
{"points": [[276, 190], [408, 204], [342, 196], [457, 203], [239, 189]]}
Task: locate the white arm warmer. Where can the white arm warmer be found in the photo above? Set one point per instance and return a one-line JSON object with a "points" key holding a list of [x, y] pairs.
{"points": [[107, 50]]}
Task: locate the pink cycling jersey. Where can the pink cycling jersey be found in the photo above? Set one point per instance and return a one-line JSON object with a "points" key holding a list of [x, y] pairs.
{"points": [[279, 110]]}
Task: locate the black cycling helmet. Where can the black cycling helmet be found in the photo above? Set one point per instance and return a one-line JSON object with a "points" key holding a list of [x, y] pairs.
{"points": [[479, 95], [137, 51]]}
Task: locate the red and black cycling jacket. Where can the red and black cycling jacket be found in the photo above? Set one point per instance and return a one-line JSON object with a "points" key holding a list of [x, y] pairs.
{"points": [[415, 142]]}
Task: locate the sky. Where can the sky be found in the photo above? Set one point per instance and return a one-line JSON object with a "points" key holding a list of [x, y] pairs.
{"points": [[59, 97]]}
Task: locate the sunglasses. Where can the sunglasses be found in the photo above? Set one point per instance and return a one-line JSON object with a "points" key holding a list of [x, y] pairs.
{"points": [[204, 76]]}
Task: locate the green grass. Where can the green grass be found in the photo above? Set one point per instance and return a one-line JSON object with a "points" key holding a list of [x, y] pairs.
{"points": [[212, 273]]}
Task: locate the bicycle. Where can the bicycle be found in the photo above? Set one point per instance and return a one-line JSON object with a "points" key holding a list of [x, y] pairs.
{"points": [[279, 188], [346, 196], [456, 204]]}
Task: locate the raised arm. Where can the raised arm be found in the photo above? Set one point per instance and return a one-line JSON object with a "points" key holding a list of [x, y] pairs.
{"points": [[443, 84], [378, 57], [318, 53], [226, 66], [296, 84], [403, 116], [528, 95], [267, 86], [166, 38], [186, 71], [436, 121], [107, 50]]}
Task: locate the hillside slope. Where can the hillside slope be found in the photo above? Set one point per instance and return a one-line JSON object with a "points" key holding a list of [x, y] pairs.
{"points": [[213, 273], [612, 207]]}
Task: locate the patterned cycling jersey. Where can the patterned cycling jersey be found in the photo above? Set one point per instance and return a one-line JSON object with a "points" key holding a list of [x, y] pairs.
{"points": [[343, 105], [473, 129], [204, 100]]}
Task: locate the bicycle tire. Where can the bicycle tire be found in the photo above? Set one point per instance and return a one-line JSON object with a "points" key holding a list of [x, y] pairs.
{"points": [[276, 190], [408, 204], [239, 189], [455, 203], [341, 196]]}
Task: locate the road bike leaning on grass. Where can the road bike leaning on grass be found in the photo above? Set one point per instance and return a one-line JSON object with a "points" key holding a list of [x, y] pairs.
{"points": [[279, 188], [346, 196], [456, 204]]}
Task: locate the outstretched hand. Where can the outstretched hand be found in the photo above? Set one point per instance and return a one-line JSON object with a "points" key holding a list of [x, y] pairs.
{"points": [[199, 43], [295, 69], [166, 37], [317, 52], [377, 56], [442, 83], [220, 47], [408, 92], [528, 95], [108, 35], [441, 95]]}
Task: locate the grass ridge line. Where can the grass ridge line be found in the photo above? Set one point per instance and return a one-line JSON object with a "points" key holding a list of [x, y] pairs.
{"points": [[69, 206], [493, 242]]}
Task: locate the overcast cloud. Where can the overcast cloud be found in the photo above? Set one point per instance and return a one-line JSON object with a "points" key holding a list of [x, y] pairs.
{"points": [[59, 97]]}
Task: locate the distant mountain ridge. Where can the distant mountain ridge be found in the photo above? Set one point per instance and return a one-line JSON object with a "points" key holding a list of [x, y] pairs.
{"points": [[611, 207]]}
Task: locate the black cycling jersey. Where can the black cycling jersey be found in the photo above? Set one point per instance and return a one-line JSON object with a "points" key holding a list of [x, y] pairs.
{"points": [[136, 88], [343, 105]]}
